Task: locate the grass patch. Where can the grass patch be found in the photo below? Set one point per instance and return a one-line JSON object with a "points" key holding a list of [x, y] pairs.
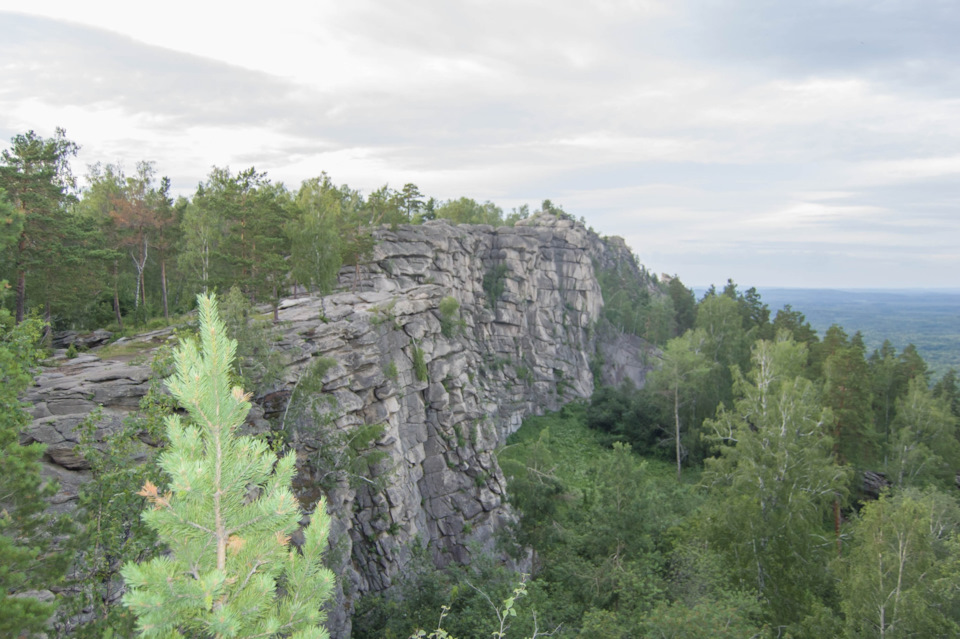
{"points": [[124, 349]]}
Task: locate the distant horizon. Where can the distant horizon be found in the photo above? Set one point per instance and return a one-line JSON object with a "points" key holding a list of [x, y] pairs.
{"points": [[852, 289]]}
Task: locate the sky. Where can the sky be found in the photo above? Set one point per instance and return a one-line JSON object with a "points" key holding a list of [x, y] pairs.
{"points": [[801, 144]]}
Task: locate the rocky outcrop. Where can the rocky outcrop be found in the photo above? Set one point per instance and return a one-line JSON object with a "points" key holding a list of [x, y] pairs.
{"points": [[445, 387]]}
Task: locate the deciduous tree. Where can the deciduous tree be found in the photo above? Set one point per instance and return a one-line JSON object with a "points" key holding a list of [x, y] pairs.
{"points": [[898, 576], [683, 366], [924, 448], [774, 482], [315, 245]]}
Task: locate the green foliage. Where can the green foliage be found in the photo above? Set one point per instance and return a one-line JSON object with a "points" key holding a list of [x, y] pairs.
{"points": [[29, 559], [774, 482], [503, 612], [385, 314], [633, 303], [251, 213], [203, 232], [727, 345], [847, 393], [684, 305], [315, 243], [598, 519], [390, 371], [900, 572], [924, 449], [419, 363], [226, 519], [788, 319], [948, 390], [11, 221], [457, 601], [336, 454], [524, 374], [450, 321], [112, 529], [494, 283], [35, 175], [683, 367], [630, 416], [468, 211], [733, 616], [259, 364], [925, 318]]}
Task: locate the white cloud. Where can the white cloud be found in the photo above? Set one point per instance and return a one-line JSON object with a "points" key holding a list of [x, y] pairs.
{"points": [[708, 142], [907, 169]]}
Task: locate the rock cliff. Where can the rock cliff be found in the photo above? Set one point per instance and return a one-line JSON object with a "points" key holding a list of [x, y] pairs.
{"points": [[446, 382]]}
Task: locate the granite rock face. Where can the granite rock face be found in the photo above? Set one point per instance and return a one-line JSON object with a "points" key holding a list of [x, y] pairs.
{"points": [[445, 388]]}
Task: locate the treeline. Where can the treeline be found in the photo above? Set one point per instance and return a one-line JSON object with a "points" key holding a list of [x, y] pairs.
{"points": [[825, 502], [121, 249], [817, 497], [701, 370]]}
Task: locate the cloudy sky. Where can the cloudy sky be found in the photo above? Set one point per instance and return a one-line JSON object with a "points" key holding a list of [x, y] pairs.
{"points": [[807, 143]]}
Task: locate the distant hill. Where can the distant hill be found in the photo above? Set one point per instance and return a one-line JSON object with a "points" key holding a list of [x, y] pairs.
{"points": [[929, 319]]}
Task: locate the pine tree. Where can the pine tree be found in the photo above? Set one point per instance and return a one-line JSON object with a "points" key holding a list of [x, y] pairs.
{"points": [[227, 519]]}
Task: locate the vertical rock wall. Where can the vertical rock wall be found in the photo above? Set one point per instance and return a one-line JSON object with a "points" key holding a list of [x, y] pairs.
{"points": [[497, 359]]}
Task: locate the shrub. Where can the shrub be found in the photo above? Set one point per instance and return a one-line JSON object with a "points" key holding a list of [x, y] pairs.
{"points": [[419, 364], [450, 321], [494, 283], [390, 371]]}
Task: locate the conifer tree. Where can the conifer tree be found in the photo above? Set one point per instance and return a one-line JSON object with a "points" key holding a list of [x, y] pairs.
{"points": [[227, 518]]}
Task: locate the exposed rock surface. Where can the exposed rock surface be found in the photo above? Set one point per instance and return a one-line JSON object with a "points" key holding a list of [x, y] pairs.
{"points": [[488, 366]]}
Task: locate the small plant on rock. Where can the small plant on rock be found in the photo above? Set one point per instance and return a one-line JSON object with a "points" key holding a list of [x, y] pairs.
{"points": [[419, 364], [450, 321]]}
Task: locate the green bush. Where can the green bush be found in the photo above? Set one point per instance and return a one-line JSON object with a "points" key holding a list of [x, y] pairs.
{"points": [[450, 321], [628, 415], [494, 283], [390, 371], [419, 364]]}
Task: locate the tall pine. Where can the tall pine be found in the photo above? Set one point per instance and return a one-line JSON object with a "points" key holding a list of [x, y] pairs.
{"points": [[227, 519]]}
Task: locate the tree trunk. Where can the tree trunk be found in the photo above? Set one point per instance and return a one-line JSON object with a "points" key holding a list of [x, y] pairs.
{"points": [[47, 324], [163, 287], [836, 525], [141, 268], [676, 421], [116, 293], [21, 295]]}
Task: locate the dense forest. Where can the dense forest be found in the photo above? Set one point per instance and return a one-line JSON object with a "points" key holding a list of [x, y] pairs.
{"points": [[767, 481], [122, 251]]}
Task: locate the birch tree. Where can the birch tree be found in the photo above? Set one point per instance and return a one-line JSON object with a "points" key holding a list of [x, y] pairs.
{"points": [[899, 573], [683, 365], [775, 481]]}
